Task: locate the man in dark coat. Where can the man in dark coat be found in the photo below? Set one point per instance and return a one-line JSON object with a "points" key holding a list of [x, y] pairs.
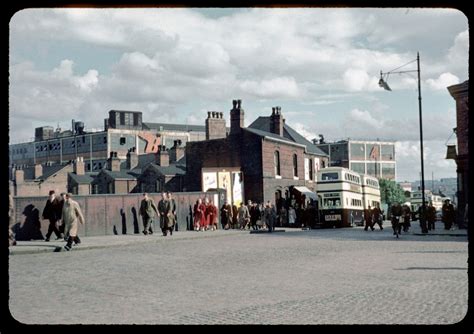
{"points": [[396, 213], [377, 216], [368, 219], [165, 212], [147, 211], [448, 214], [50, 212], [226, 215], [431, 216]]}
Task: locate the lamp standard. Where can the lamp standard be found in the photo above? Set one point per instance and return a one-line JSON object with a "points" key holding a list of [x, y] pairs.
{"points": [[384, 85]]}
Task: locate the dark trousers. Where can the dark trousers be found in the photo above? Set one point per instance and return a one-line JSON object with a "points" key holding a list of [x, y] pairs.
{"points": [[379, 222], [431, 224], [147, 225], [52, 228], [75, 239], [368, 223]]}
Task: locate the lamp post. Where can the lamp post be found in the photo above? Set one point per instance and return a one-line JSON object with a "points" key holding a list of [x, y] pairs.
{"points": [[384, 85]]}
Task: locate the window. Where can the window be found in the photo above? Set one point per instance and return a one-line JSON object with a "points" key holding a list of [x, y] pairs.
{"points": [[295, 165], [135, 119], [276, 157], [122, 118], [357, 151], [329, 176], [83, 139], [123, 140], [105, 139], [310, 166], [388, 152]]}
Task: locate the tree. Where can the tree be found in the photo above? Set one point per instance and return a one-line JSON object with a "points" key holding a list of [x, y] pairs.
{"points": [[391, 192]]}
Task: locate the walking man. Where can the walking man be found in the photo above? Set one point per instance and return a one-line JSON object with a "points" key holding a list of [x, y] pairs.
{"points": [[377, 216], [368, 219], [72, 214], [448, 214], [147, 211], [431, 216], [50, 212], [165, 213], [396, 212], [226, 215]]}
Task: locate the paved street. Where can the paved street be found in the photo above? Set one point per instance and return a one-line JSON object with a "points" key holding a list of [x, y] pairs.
{"points": [[333, 276]]}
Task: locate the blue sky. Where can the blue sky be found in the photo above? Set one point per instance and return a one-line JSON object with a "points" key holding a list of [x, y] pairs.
{"points": [[320, 65]]}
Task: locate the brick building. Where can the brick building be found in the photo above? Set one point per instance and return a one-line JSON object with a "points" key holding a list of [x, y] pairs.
{"points": [[460, 93], [39, 180], [264, 161]]}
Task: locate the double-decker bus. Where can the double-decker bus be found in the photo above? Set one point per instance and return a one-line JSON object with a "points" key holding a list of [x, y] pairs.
{"points": [[370, 191], [340, 197]]}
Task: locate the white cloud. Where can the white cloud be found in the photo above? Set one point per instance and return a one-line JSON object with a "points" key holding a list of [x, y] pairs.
{"points": [[443, 81], [272, 88]]}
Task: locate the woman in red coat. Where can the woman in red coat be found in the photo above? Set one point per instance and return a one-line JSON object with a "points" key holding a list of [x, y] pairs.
{"points": [[198, 214], [211, 212], [204, 221]]}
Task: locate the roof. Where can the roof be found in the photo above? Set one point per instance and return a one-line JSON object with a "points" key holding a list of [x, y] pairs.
{"points": [[123, 174], [173, 127], [262, 125], [83, 179], [173, 169], [47, 172]]}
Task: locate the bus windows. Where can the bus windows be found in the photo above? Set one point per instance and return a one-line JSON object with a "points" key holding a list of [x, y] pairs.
{"points": [[329, 176], [332, 202]]}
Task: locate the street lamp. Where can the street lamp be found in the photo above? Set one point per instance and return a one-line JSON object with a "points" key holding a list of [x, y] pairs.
{"points": [[384, 85]]}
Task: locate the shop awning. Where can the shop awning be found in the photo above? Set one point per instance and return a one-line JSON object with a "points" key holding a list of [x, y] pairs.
{"points": [[307, 192]]}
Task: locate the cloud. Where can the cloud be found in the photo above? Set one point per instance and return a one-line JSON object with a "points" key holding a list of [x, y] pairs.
{"points": [[273, 88], [443, 81]]}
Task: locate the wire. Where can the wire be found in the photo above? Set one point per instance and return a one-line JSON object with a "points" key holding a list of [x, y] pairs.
{"points": [[402, 66]]}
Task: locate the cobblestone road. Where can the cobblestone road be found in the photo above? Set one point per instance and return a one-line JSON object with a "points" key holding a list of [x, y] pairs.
{"points": [[343, 276]]}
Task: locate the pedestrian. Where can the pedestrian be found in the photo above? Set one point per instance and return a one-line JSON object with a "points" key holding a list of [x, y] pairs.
{"points": [[406, 214], [11, 219], [50, 212], [270, 216], [422, 217], [235, 216], [396, 213], [368, 219], [254, 215], [211, 210], [377, 216], [147, 211], [164, 210], [226, 215], [244, 216], [173, 216], [448, 214], [431, 216], [71, 215]]}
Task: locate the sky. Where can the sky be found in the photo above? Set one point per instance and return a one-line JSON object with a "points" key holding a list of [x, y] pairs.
{"points": [[320, 65]]}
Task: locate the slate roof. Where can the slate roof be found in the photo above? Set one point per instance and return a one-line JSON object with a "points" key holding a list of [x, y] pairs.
{"points": [[173, 169], [83, 179], [47, 172], [261, 127], [123, 174]]}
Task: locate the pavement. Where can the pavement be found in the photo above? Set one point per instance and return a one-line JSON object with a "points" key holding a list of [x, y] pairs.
{"points": [[97, 242], [327, 276]]}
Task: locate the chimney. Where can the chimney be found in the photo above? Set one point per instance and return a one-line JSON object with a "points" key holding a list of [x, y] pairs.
{"points": [[236, 117], [163, 157], [276, 121], [113, 163], [79, 168], [215, 125], [177, 151], [19, 176], [132, 158], [38, 171]]}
